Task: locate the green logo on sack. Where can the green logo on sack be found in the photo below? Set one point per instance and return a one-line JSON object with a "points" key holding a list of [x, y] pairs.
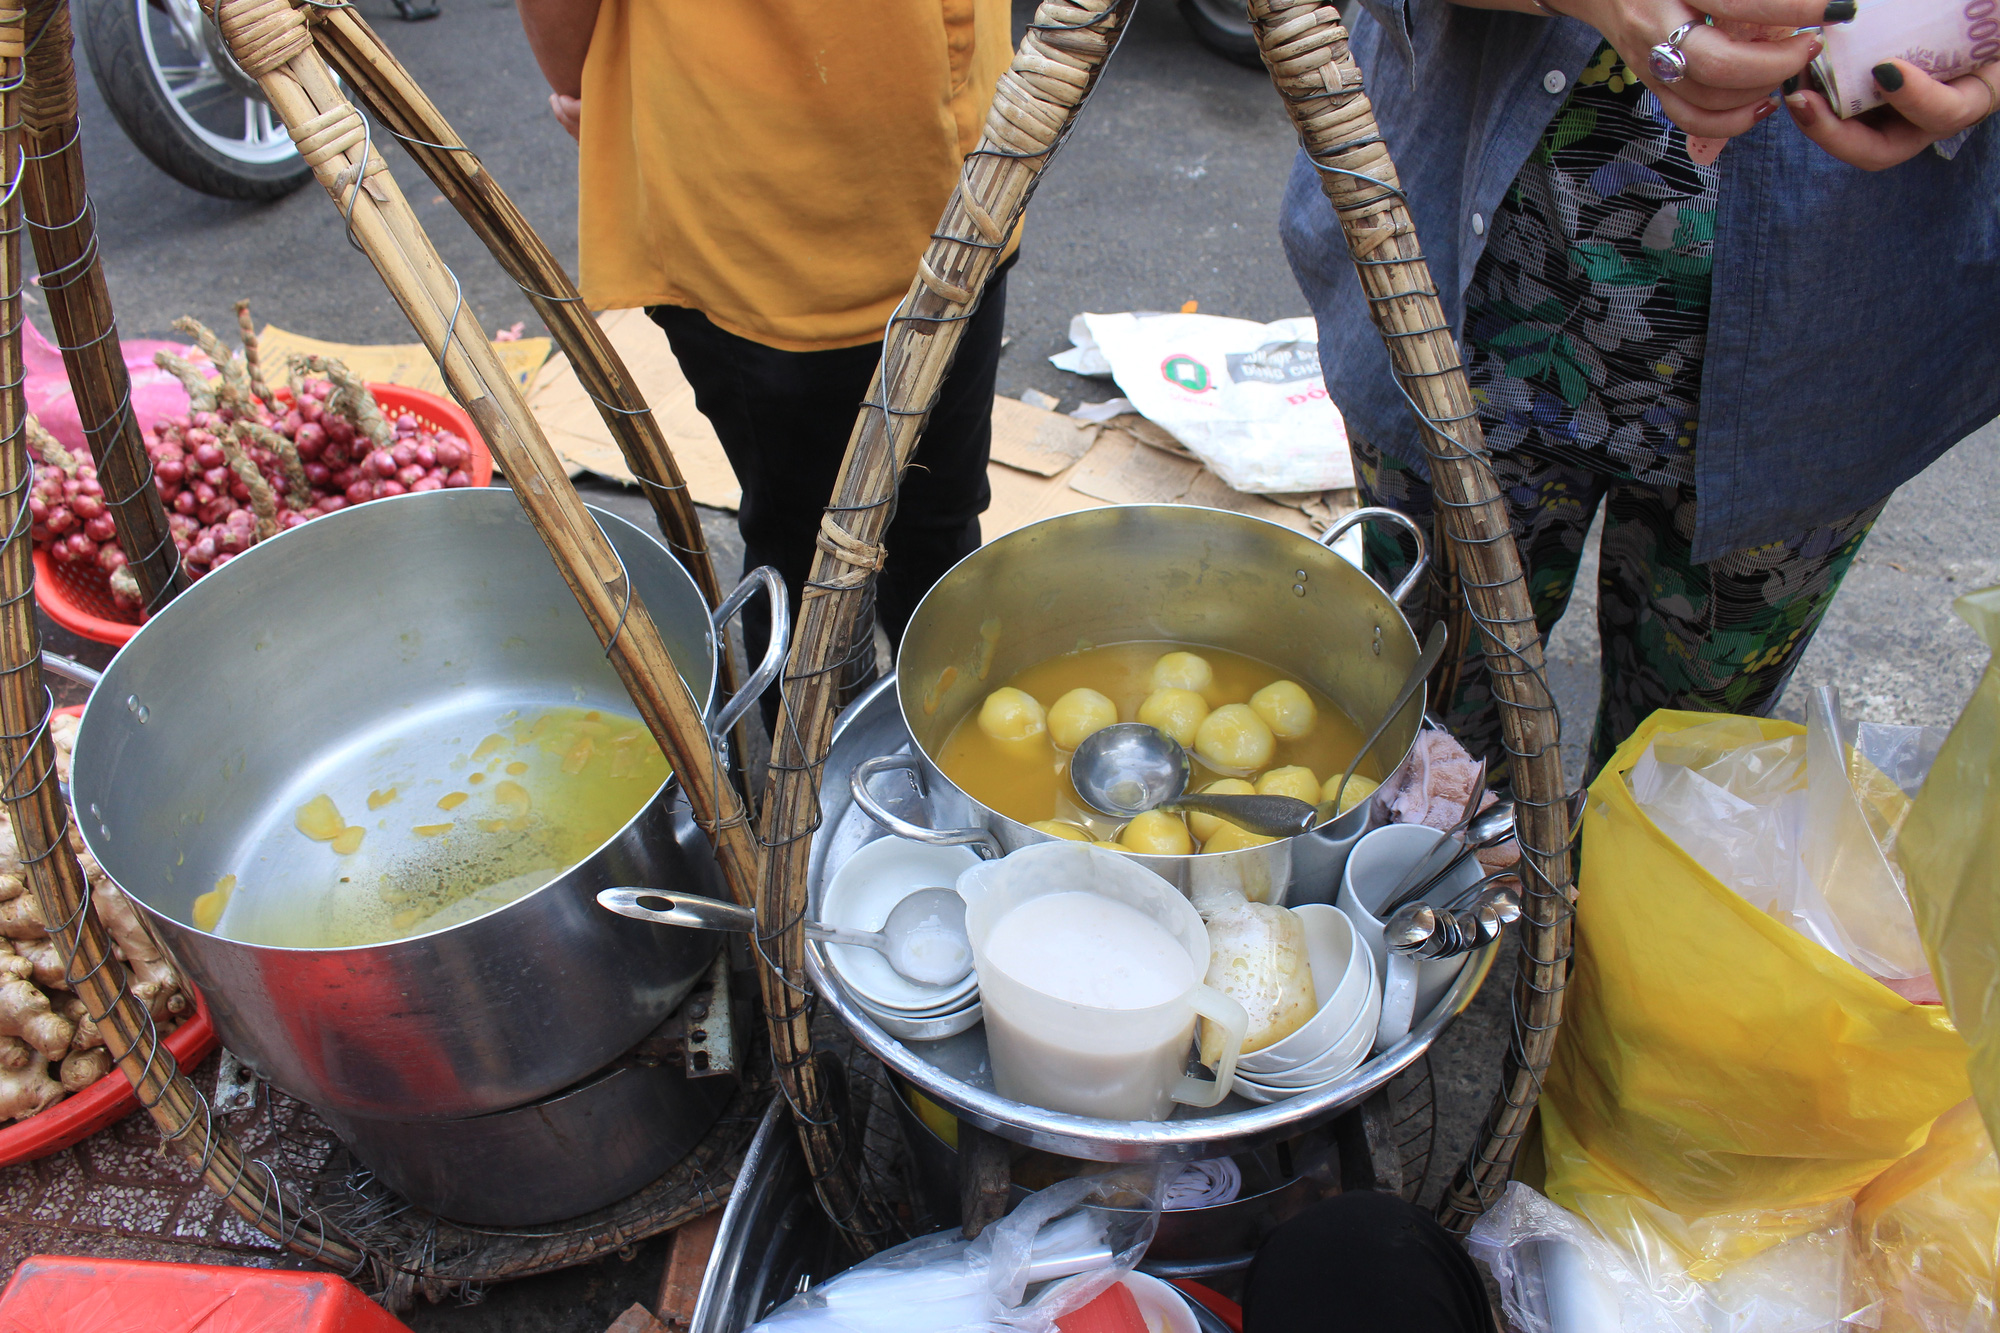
{"points": [[1185, 372]]}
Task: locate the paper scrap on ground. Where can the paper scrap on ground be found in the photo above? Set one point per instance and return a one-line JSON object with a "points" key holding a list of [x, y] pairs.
{"points": [[1044, 463], [1248, 399], [390, 363], [577, 431]]}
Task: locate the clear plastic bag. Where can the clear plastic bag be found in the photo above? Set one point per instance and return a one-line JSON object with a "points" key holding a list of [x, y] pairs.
{"points": [[1256, 956], [1052, 1242], [1804, 827], [1559, 1274]]}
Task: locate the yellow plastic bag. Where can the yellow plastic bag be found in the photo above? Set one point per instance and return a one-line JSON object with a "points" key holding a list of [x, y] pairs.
{"points": [[1712, 1059], [1950, 850]]}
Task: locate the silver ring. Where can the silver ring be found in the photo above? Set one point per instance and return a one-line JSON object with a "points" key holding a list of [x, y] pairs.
{"points": [[1667, 61]]}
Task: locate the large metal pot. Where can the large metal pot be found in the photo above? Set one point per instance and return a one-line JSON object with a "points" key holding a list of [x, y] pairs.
{"points": [[383, 640], [1155, 572], [560, 1157]]}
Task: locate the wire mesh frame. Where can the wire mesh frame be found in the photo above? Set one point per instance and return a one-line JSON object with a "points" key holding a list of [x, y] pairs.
{"points": [[885, 435], [1305, 48]]}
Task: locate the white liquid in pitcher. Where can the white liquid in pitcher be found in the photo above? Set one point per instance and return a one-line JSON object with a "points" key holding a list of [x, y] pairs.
{"points": [[1075, 948], [1089, 949]]}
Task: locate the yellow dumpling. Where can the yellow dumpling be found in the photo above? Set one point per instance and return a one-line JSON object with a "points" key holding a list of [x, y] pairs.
{"points": [[1286, 709], [1077, 714], [1015, 721], [1358, 790], [1296, 781], [1183, 671], [1233, 739], [1177, 712], [1156, 833], [1057, 828], [1229, 838], [1204, 826]]}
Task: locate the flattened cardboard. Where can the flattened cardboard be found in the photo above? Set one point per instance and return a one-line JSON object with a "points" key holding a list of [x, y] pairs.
{"points": [[389, 363]]}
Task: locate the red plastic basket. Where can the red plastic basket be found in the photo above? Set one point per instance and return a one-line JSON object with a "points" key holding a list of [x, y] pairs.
{"points": [[79, 599], [105, 1102]]}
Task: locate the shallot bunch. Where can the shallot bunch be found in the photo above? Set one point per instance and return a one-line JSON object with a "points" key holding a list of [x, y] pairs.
{"points": [[243, 464]]}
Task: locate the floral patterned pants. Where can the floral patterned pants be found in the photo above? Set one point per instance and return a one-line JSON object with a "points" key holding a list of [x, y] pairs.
{"points": [[1719, 637]]}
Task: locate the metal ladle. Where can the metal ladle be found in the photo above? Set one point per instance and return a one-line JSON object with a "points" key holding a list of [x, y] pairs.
{"points": [[1129, 768], [924, 937]]}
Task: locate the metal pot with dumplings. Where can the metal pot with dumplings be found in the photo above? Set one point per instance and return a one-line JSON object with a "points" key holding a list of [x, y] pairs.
{"points": [[1174, 611]]}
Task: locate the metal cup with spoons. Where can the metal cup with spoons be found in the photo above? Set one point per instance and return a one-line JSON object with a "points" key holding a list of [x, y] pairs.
{"points": [[1129, 768], [924, 937]]}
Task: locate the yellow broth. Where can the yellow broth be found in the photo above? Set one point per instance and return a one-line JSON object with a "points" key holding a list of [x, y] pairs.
{"points": [[1031, 783], [562, 782]]}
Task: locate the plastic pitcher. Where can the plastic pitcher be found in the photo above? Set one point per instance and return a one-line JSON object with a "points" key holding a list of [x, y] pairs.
{"points": [[1113, 1063]]}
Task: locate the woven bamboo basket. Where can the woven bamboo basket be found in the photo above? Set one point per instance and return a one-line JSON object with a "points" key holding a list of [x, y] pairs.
{"points": [[1039, 98]]}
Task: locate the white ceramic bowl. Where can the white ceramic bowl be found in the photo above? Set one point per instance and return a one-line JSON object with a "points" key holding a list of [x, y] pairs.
{"points": [[1375, 867], [1343, 982], [859, 896], [936, 1028], [1162, 1307], [1346, 1053]]}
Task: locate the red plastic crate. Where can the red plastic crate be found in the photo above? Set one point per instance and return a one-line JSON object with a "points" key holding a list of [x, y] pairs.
{"points": [[57, 1294], [79, 599]]}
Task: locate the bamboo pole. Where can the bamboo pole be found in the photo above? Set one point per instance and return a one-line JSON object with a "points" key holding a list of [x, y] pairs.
{"points": [[378, 81], [65, 239], [40, 815], [1037, 100], [1305, 48], [271, 42]]}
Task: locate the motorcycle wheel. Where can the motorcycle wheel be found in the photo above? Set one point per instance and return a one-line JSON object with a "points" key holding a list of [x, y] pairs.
{"points": [[1223, 26], [186, 104]]}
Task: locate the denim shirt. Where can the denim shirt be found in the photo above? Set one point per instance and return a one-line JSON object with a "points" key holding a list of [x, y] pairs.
{"points": [[1854, 322]]}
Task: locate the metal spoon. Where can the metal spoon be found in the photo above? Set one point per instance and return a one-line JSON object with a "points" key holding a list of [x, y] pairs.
{"points": [[1129, 768], [924, 937], [1427, 662]]}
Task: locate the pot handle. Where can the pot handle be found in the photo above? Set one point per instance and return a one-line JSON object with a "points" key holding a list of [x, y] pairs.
{"points": [[677, 909], [773, 585], [71, 669], [978, 839], [1401, 520]]}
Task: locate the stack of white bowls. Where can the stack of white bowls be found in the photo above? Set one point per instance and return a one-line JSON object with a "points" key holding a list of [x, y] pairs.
{"points": [[860, 896], [1337, 1038]]}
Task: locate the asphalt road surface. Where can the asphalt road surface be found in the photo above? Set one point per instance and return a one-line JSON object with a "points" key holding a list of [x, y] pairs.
{"points": [[1166, 193]]}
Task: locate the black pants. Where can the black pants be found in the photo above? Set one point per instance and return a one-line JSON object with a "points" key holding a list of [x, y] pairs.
{"points": [[784, 419], [1364, 1262]]}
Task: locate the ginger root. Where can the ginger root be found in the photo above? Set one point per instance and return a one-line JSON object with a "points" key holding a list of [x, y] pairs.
{"points": [[23, 1092], [15, 1053], [80, 1069], [25, 1013], [72, 1007], [134, 939], [62, 734], [20, 913], [45, 964]]}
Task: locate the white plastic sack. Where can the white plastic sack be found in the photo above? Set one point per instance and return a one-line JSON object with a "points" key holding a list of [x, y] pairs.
{"points": [[1245, 398], [942, 1283]]}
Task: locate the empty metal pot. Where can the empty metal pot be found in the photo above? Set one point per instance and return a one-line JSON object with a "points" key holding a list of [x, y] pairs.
{"points": [[393, 634]]}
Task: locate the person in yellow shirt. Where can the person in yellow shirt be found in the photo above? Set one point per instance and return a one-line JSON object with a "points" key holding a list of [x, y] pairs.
{"points": [[762, 176]]}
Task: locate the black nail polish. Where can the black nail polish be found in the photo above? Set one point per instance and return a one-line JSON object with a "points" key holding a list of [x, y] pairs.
{"points": [[1888, 77], [1790, 86], [1838, 11]]}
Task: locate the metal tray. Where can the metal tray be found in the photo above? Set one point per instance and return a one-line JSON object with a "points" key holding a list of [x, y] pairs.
{"points": [[955, 1072]]}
